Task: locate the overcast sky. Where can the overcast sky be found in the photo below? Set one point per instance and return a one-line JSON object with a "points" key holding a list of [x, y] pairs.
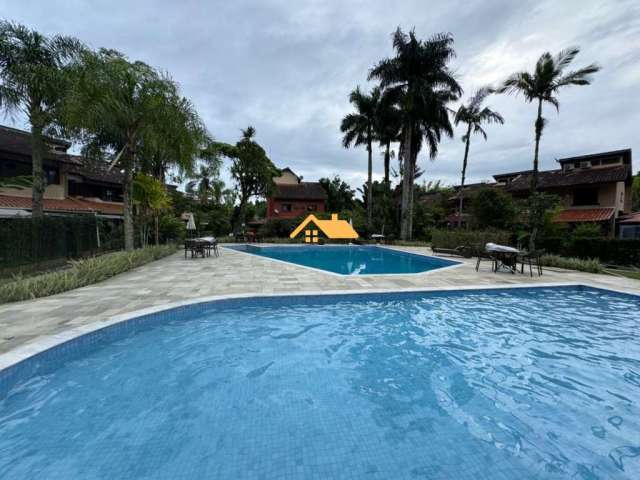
{"points": [[287, 67]]}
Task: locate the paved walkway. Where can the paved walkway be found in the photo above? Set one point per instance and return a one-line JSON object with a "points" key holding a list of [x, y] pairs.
{"points": [[175, 279]]}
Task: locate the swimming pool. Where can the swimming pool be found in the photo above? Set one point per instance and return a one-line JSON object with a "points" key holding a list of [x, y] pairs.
{"points": [[350, 259], [483, 384]]}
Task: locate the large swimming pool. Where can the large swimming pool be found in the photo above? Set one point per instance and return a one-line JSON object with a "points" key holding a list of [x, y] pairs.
{"points": [[350, 259], [533, 383]]}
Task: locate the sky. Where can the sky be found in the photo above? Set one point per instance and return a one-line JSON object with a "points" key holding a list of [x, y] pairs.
{"points": [[287, 67]]}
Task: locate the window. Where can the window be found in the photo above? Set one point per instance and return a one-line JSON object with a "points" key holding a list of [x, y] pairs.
{"points": [[51, 176], [286, 207], [311, 208], [586, 196]]}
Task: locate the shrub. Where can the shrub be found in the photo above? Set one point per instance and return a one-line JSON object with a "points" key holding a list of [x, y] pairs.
{"points": [[81, 273], [493, 208], [459, 237], [607, 250], [580, 264]]}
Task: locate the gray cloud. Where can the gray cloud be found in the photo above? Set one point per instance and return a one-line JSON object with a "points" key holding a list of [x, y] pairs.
{"points": [[287, 68]]}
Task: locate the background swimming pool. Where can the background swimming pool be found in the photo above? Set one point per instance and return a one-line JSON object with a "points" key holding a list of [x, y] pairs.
{"points": [[518, 384], [350, 259]]}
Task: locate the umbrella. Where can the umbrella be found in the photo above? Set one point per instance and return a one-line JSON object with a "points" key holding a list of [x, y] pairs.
{"points": [[191, 224]]}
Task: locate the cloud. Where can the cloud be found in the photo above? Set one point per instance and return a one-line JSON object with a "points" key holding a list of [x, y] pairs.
{"points": [[287, 69]]}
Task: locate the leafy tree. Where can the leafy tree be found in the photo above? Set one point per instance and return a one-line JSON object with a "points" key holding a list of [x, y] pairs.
{"points": [[359, 128], [251, 169], [587, 230], [339, 194], [33, 81], [130, 105], [420, 78], [493, 208], [636, 193], [206, 184], [542, 86], [473, 115], [151, 199]]}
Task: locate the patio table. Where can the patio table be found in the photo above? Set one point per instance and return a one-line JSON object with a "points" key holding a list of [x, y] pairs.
{"points": [[505, 257]]}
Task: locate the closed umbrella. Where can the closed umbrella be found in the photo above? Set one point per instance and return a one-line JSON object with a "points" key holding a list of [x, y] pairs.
{"points": [[191, 224]]}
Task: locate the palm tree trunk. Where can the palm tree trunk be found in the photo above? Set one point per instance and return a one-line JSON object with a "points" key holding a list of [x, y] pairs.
{"points": [[128, 201], [539, 126], [407, 173], [534, 175], [38, 186], [369, 186], [387, 163], [464, 172]]}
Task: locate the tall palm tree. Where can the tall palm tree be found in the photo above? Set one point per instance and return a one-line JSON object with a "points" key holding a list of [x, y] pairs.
{"points": [[32, 81], [359, 128], [205, 183], [388, 125], [473, 115], [419, 75], [543, 84]]}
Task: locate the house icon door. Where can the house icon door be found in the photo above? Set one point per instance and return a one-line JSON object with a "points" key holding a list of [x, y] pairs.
{"points": [[311, 236]]}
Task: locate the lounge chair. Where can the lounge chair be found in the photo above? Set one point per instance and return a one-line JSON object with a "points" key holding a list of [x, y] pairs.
{"points": [[462, 251]]}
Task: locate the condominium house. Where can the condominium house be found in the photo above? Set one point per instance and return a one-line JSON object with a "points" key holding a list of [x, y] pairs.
{"points": [[73, 184], [293, 198], [594, 188]]}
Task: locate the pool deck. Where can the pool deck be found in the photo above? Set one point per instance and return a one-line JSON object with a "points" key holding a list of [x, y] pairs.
{"points": [[31, 326]]}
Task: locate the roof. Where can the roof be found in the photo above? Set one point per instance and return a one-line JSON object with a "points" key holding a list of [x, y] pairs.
{"points": [[300, 191], [96, 170], [624, 153], [18, 142], [559, 178], [69, 204], [631, 218], [334, 228], [576, 215]]}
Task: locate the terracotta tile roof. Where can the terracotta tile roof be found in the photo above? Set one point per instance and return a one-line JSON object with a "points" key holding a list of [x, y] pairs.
{"points": [[558, 178], [631, 218], [301, 191], [575, 215], [69, 204]]}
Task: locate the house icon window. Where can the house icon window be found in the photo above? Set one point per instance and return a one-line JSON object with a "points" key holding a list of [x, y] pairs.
{"points": [[311, 236]]}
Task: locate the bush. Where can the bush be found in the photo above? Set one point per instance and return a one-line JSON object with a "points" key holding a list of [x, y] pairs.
{"points": [[607, 250], [582, 265], [171, 229], [459, 237], [81, 273], [492, 208]]}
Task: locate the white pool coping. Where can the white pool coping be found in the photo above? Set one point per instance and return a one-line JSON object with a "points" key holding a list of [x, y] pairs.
{"points": [[23, 352]]}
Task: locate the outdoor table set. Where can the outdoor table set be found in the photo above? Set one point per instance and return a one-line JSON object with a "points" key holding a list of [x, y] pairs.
{"points": [[507, 258], [202, 246]]}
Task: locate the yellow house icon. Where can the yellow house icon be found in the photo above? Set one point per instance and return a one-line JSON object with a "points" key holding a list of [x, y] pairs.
{"points": [[333, 229]]}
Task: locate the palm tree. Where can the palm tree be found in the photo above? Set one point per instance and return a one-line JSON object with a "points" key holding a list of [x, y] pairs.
{"points": [[543, 85], [32, 82], [420, 77], [359, 128], [205, 183], [388, 123], [473, 115]]}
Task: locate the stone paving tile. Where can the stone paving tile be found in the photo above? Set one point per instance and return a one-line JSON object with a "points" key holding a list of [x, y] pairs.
{"points": [[174, 279]]}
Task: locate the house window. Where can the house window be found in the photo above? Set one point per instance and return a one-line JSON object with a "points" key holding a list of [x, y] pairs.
{"points": [[51, 176], [587, 196], [311, 236], [311, 208], [286, 207]]}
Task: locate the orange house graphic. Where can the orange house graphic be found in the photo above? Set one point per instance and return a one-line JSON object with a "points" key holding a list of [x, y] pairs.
{"points": [[333, 229]]}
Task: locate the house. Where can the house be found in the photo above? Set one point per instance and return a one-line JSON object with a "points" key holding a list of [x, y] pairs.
{"points": [[594, 188], [293, 198], [73, 185], [316, 229], [630, 226]]}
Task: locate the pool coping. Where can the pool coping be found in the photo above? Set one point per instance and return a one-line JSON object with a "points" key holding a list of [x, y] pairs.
{"points": [[24, 352], [457, 263]]}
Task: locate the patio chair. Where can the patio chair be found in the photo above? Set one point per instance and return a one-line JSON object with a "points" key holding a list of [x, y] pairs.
{"points": [[480, 252], [532, 259]]}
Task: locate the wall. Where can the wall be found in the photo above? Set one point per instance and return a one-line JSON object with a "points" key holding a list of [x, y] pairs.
{"points": [[287, 178], [57, 192]]}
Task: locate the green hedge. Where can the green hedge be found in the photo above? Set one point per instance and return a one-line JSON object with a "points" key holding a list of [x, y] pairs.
{"points": [[27, 241], [81, 273], [607, 250], [580, 264], [460, 237]]}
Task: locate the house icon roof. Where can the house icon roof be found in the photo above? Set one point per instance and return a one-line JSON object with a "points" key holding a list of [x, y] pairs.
{"points": [[333, 229]]}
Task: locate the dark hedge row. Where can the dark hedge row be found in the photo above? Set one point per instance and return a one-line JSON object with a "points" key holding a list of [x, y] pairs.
{"points": [[607, 250]]}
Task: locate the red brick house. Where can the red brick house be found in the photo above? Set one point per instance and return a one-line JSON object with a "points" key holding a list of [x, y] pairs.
{"points": [[293, 197]]}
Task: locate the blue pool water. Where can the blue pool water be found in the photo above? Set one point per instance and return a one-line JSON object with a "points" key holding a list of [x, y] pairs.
{"points": [[350, 259], [508, 384]]}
